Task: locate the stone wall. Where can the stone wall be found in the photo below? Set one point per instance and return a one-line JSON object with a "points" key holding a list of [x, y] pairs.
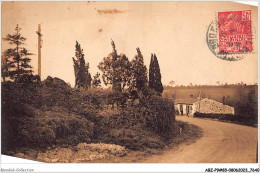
{"points": [[209, 106]]}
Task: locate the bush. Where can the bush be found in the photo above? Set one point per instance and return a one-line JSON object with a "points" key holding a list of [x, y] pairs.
{"points": [[134, 138], [151, 123], [48, 129], [26, 78], [51, 113], [159, 115], [240, 119]]}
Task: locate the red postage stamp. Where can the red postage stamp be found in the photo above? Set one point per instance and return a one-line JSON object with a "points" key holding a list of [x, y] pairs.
{"points": [[235, 31]]}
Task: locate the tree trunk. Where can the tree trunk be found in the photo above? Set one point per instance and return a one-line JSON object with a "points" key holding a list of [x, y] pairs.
{"points": [[18, 64]]}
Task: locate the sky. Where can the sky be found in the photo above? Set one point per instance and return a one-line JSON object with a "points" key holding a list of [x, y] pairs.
{"points": [[174, 31]]}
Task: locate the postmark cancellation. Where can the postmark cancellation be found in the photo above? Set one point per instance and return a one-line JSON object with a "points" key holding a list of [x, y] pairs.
{"points": [[230, 36]]}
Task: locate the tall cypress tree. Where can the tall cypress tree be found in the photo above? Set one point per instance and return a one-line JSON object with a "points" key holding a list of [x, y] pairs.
{"points": [[81, 69], [116, 79], [139, 74], [155, 75], [151, 73]]}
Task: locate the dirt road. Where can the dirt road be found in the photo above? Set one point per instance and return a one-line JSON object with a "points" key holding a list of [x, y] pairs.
{"points": [[221, 143]]}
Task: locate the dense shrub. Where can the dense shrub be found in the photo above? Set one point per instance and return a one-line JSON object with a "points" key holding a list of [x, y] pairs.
{"points": [[135, 138], [160, 116], [26, 78], [151, 123], [40, 115], [52, 113], [46, 129], [213, 116]]}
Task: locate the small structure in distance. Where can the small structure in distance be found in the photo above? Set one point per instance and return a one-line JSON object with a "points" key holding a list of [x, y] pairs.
{"points": [[205, 106]]}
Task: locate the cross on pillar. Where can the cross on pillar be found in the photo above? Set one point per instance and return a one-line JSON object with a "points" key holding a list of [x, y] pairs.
{"points": [[39, 49]]}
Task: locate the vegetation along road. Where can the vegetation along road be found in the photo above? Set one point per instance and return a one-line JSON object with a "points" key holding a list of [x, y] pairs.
{"points": [[221, 143]]}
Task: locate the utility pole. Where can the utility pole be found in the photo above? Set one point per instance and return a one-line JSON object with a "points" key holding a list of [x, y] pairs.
{"points": [[39, 49]]}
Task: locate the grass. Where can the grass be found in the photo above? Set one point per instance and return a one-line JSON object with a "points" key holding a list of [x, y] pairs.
{"points": [[190, 134]]}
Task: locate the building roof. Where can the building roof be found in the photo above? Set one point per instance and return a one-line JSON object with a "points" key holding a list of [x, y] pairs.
{"points": [[186, 101]]}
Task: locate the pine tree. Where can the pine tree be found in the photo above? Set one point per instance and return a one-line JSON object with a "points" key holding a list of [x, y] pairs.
{"points": [[81, 69], [155, 75], [20, 61], [139, 73], [96, 83], [7, 64]]}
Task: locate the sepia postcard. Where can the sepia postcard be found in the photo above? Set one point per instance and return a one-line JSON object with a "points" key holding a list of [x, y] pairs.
{"points": [[129, 82]]}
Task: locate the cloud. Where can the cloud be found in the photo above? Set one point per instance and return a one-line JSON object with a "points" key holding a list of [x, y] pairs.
{"points": [[109, 11]]}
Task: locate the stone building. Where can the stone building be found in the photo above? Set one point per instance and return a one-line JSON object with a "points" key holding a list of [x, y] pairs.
{"points": [[207, 106], [185, 106]]}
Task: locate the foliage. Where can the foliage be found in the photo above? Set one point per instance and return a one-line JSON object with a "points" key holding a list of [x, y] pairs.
{"points": [[53, 113], [81, 69], [29, 79], [139, 72], [155, 75], [44, 128], [116, 70], [96, 83], [7, 64], [16, 61], [238, 119], [160, 114], [151, 123], [44, 116], [151, 73]]}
